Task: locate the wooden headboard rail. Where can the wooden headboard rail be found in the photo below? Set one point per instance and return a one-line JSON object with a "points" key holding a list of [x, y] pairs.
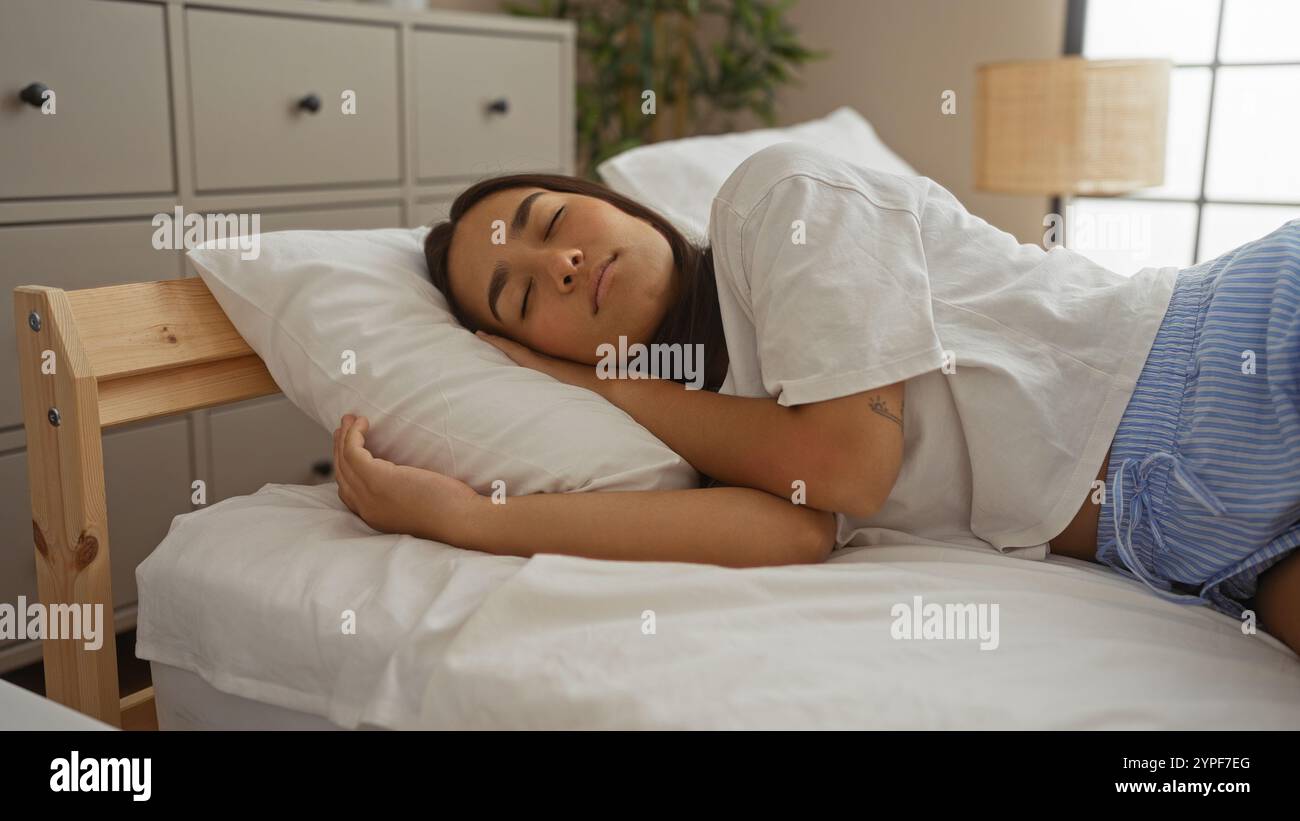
{"points": [[91, 359]]}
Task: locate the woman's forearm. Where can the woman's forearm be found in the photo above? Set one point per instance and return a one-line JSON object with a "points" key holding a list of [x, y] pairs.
{"points": [[739, 440], [845, 452], [730, 526]]}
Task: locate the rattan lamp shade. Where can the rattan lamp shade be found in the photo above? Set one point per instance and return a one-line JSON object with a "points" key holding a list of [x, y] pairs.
{"points": [[1071, 126]]}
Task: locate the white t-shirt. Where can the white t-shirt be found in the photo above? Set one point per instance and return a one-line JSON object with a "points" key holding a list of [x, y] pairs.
{"points": [[893, 274]]}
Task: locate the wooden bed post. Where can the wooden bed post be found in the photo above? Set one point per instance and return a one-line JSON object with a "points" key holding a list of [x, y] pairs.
{"points": [[65, 472], [91, 359]]}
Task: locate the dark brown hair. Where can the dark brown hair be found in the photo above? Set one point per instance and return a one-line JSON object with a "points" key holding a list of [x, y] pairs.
{"points": [[694, 319]]}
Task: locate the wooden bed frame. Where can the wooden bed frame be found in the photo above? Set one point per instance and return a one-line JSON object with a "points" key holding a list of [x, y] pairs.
{"points": [[90, 359]]}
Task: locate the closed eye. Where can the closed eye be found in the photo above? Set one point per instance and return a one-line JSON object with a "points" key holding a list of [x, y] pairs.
{"points": [[551, 224], [523, 308]]}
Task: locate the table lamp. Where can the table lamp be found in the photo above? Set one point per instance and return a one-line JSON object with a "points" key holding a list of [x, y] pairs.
{"points": [[1071, 126]]}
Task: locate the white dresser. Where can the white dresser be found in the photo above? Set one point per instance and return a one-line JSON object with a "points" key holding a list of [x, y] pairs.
{"points": [[309, 114]]}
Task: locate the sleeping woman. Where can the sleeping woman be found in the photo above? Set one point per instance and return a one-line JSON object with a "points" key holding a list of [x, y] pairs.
{"points": [[880, 365]]}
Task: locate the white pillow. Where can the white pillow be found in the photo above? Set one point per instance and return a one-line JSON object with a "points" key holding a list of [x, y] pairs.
{"points": [[679, 178], [437, 396]]}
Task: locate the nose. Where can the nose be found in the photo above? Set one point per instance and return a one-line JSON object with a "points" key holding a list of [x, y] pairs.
{"points": [[562, 267]]}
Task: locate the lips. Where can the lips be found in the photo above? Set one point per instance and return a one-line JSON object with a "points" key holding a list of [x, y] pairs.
{"points": [[598, 280]]}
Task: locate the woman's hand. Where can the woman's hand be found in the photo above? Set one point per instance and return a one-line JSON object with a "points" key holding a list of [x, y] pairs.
{"points": [[566, 371], [395, 498]]}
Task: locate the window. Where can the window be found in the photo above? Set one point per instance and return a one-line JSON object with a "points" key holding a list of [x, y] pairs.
{"points": [[1232, 161]]}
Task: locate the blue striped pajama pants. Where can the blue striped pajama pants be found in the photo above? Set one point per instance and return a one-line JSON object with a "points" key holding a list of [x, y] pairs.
{"points": [[1203, 485]]}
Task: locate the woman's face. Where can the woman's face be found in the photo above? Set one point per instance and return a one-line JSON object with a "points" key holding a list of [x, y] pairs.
{"points": [[560, 273]]}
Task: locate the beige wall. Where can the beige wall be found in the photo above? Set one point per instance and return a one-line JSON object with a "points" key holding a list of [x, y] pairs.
{"points": [[893, 59]]}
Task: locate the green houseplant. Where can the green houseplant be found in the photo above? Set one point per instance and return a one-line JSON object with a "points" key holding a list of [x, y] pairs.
{"points": [[657, 69]]}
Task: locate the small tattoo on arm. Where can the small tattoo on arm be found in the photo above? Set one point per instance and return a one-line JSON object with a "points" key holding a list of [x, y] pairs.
{"points": [[881, 407]]}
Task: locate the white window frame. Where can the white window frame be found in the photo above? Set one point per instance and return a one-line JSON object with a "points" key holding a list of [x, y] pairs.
{"points": [[1076, 15]]}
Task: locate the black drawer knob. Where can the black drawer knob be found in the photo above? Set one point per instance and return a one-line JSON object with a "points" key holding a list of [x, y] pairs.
{"points": [[310, 103], [34, 94], [499, 106], [323, 468]]}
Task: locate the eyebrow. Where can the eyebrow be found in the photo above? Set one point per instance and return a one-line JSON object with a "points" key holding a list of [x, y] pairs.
{"points": [[498, 284], [501, 271], [521, 213]]}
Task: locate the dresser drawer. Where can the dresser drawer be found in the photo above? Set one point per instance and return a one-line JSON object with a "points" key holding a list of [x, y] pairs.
{"points": [[460, 77], [349, 218], [70, 255], [147, 474], [266, 440], [427, 212], [110, 132], [343, 218], [248, 74]]}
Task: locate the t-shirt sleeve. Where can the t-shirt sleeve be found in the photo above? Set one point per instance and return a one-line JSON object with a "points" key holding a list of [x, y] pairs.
{"points": [[839, 291]]}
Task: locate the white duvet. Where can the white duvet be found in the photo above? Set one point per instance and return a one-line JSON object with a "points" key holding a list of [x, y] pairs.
{"points": [[286, 598]]}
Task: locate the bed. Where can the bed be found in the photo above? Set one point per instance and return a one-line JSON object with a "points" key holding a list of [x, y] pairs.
{"points": [[245, 605], [241, 612], [281, 609]]}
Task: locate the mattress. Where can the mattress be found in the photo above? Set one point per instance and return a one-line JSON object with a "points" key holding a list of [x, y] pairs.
{"points": [[284, 599], [184, 701]]}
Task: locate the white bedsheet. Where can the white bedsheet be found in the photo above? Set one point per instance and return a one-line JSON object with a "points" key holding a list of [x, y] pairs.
{"points": [[251, 594]]}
